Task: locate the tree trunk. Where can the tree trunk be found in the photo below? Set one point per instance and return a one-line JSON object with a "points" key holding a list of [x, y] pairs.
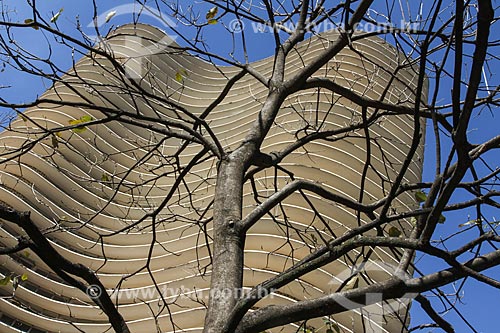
{"points": [[228, 244]]}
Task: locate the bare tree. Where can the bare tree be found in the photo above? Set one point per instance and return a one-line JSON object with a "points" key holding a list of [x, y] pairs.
{"points": [[246, 196]]}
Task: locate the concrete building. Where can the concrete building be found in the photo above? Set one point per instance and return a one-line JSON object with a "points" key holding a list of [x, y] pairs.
{"points": [[83, 185]]}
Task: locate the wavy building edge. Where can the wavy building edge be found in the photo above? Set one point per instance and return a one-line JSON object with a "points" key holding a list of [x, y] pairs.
{"points": [[68, 185]]}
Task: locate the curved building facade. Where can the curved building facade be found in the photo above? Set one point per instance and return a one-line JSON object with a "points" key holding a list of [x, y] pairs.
{"points": [[83, 186]]}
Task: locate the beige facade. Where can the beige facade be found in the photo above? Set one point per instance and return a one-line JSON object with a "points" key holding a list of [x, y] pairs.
{"points": [[111, 175]]}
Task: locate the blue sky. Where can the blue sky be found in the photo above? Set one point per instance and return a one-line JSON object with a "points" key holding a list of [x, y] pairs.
{"points": [[480, 304]]}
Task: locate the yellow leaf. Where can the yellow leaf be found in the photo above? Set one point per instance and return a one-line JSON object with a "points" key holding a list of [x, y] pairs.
{"points": [[211, 13], [212, 21], [23, 117], [24, 277], [180, 75]]}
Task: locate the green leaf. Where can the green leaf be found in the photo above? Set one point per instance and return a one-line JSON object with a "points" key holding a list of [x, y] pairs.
{"points": [[82, 120], [24, 277], [56, 16], [420, 196], [394, 232], [86, 118], [5, 281], [105, 178], [29, 21], [211, 13], [79, 129], [212, 21], [441, 219]]}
